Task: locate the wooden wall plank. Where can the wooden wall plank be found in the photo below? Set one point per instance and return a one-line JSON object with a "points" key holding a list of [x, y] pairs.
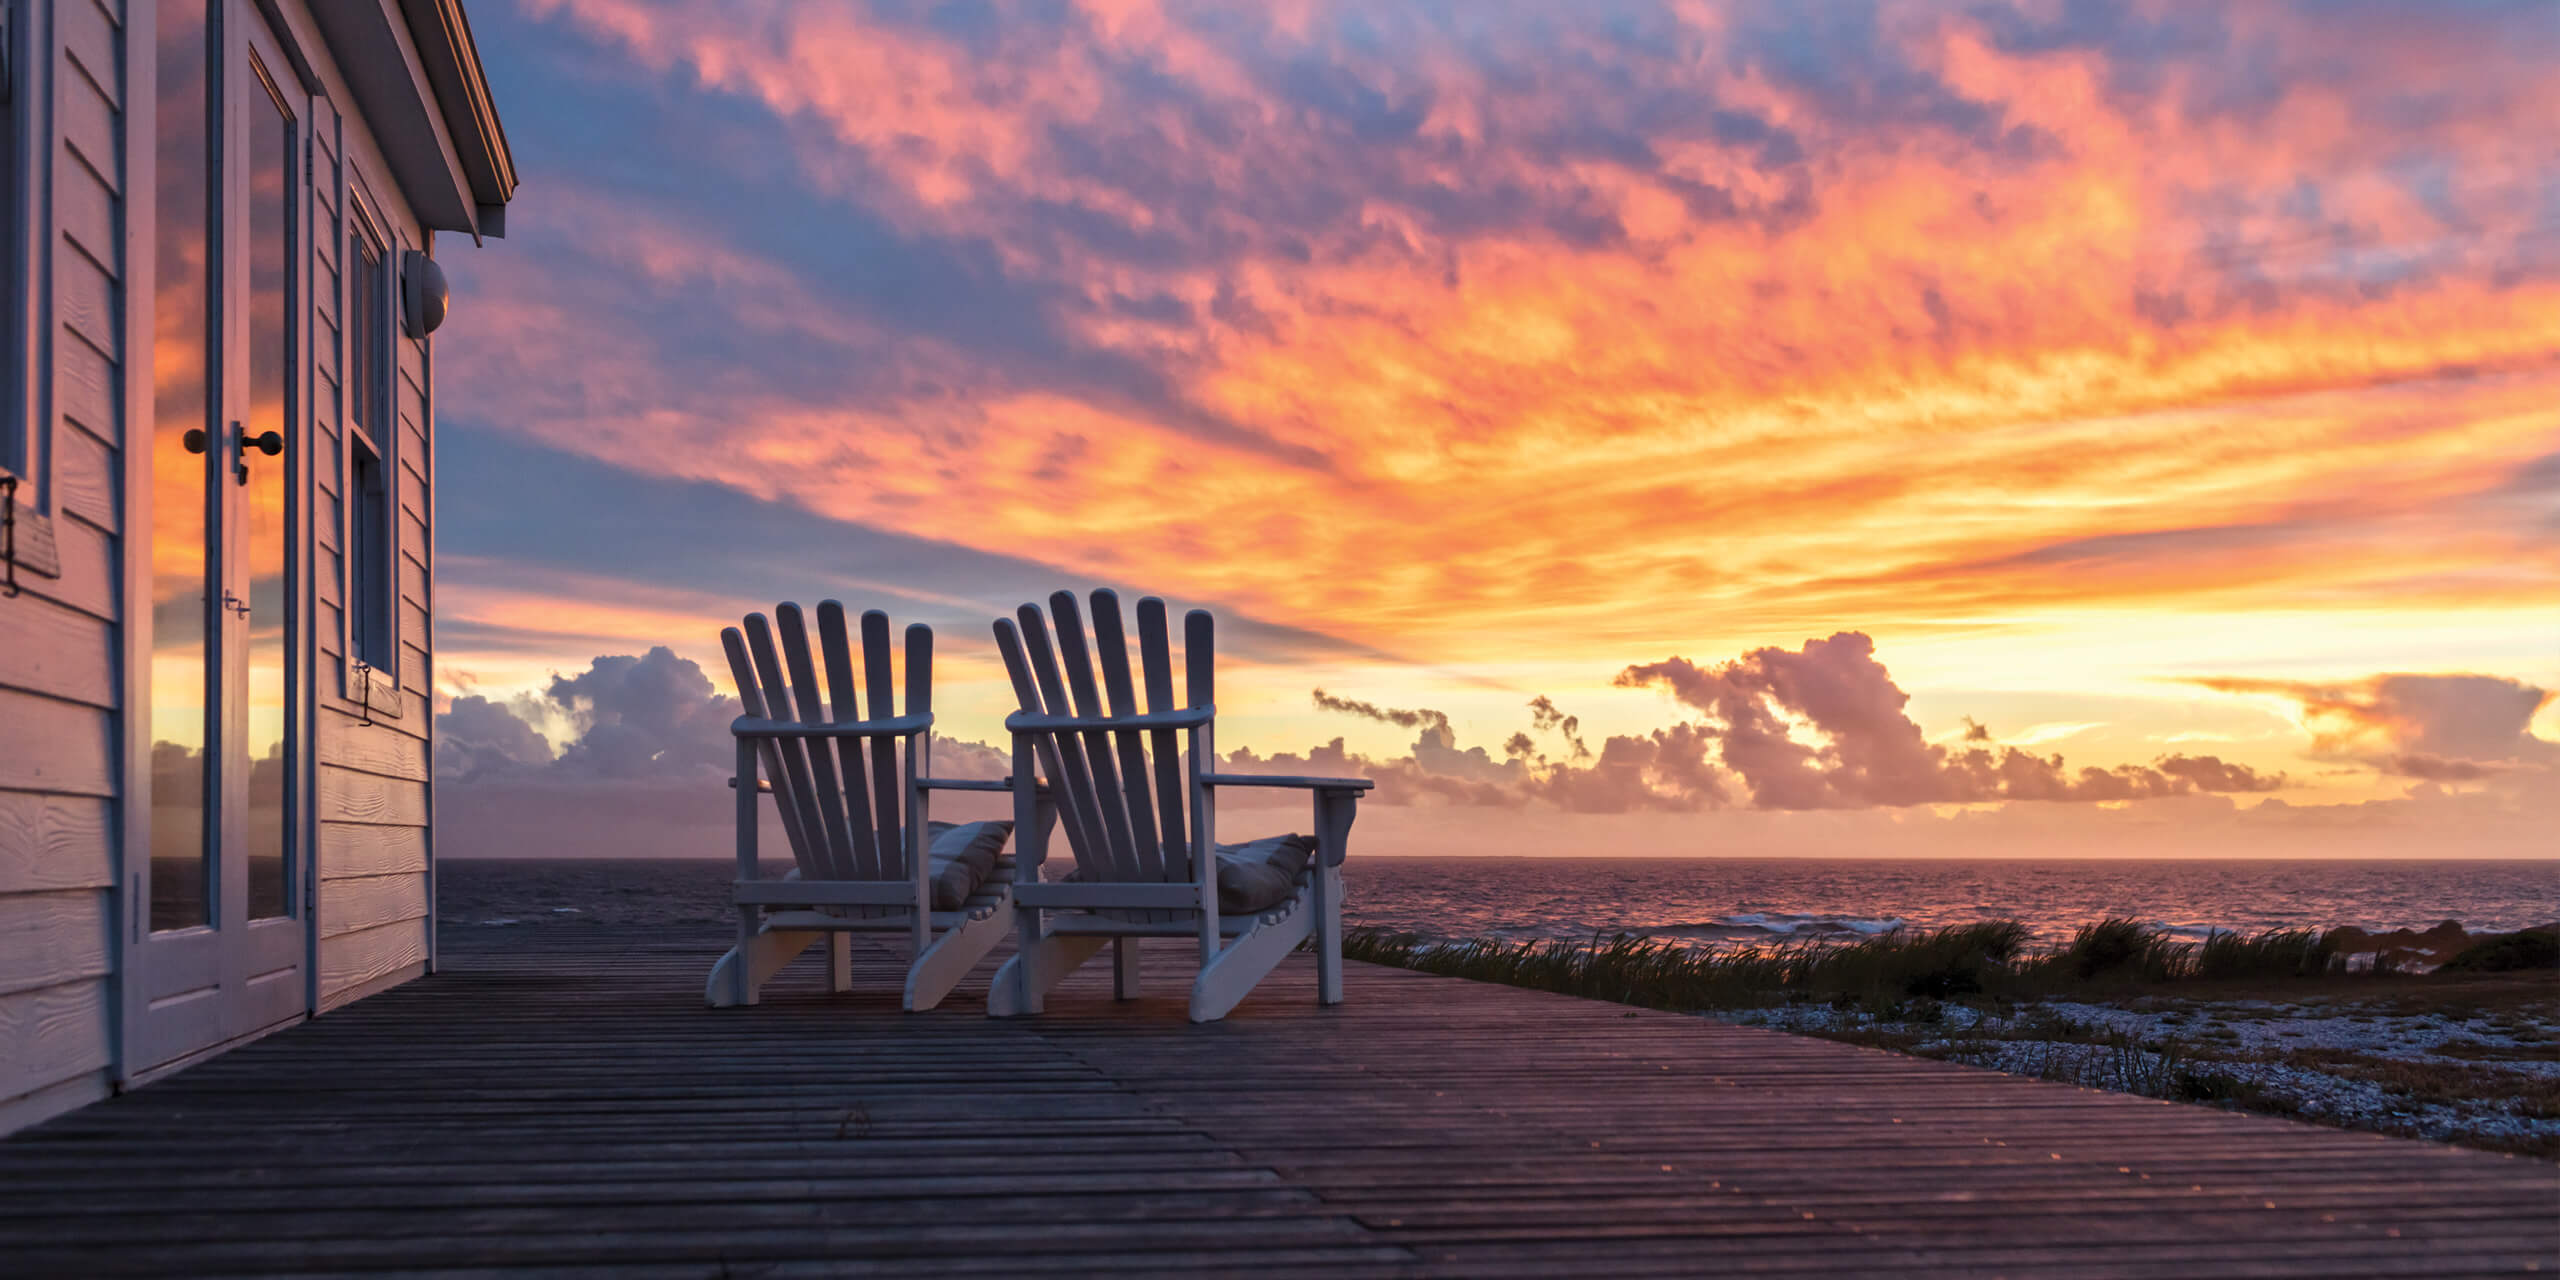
{"points": [[413, 538], [56, 746], [85, 208], [50, 842], [400, 711], [413, 581], [53, 1100], [89, 571], [349, 850], [351, 960], [90, 40], [347, 743], [86, 119], [84, 296], [368, 902], [414, 666], [50, 649], [47, 939], [330, 624], [348, 796], [413, 490], [52, 1034], [84, 477], [84, 389]]}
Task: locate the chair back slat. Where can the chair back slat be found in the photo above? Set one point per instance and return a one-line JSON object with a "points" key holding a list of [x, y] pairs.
{"points": [[1155, 654], [889, 802], [836, 838], [791, 785], [919, 703], [1111, 645], [845, 700], [1035, 682], [1076, 660], [1017, 665], [1200, 657], [1074, 779], [751, 701]]}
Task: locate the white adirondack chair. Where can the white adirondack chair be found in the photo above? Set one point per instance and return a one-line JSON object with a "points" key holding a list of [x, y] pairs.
{"points": [[1146, 855], [856, 821]]}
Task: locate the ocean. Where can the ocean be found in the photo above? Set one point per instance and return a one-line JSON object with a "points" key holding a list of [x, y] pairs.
{"points": [[1709, 901]]}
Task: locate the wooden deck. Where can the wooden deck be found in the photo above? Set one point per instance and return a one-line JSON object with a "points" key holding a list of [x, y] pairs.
{"points": [[559, 1098]]}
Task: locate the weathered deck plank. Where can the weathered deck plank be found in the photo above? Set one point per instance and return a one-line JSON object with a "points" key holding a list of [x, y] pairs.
{"points": [[559, 1099]]}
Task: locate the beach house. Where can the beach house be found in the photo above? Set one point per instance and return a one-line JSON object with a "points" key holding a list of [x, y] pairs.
{"points": [[217, 521]]}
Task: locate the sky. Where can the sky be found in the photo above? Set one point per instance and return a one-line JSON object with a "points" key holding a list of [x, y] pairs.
{"points": [[2019, 429]]}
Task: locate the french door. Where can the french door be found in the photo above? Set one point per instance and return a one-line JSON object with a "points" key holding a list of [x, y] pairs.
{"points": [[219, 942]]}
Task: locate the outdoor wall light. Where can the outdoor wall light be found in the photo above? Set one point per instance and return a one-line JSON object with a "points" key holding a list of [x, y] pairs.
{"points": [[422, 293]]}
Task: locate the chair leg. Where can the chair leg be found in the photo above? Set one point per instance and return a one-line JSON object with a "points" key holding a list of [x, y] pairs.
{"points": [[953, 955], [1023, 985], [839, 962], [738, 975], [1327, 891], [1245, 961], [1334, 814], [1124, 968]]}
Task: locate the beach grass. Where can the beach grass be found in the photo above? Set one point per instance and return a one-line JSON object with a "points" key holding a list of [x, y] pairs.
{"points": [[2120, 1006], [1991, 959]]}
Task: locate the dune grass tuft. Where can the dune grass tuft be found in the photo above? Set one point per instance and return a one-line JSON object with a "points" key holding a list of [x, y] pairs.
{"points": [[1990, 960]]}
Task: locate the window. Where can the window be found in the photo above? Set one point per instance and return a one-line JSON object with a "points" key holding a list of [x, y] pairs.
{"points": [[16, 410], [373, 582], [17, 435], [26, 530]]}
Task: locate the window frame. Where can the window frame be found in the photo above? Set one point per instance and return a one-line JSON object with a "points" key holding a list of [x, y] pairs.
{"points": [[373, 428], [26, 231]]}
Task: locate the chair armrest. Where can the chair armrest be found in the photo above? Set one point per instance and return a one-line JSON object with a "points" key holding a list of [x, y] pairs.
{"points": [[1354, 785], [893, 727], [1188, 718]]}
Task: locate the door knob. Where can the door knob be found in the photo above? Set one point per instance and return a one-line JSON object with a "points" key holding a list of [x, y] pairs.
{"points": [[194, 439], [269, 443]]}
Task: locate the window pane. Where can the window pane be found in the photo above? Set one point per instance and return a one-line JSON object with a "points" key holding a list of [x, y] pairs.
{"points": [[270, 246], [181, 480]]}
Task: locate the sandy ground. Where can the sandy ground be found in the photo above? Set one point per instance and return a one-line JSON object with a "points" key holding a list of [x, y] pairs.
{"points": [[2486, 1076]]}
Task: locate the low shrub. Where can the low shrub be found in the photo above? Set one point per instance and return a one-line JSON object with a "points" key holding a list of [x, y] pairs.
{"points": [[2508, 953]]}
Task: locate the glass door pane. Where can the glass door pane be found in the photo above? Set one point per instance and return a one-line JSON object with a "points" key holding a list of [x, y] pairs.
{"points": [[263, 524], [185, 460]]}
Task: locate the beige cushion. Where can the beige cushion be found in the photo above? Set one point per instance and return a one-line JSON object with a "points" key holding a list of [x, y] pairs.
{"points": [[1261, 874], [1254, 876], [961, 857]]}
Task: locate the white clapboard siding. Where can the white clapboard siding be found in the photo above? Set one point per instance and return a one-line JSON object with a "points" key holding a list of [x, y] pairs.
{"points": [[348, 743], [57, 651], [89, 49], [84, 473], [87, 555], [51, 1034], [349, 796], [60, 643], [52, 842], [357, 850], [370, 902], [54, 746], [47, 939], [84, 387], [84, 296], [353, 964], [86, 206]]}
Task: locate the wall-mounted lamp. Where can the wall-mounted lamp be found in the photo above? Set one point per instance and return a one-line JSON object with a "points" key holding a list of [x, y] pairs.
{"points": [[422, 293]]}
